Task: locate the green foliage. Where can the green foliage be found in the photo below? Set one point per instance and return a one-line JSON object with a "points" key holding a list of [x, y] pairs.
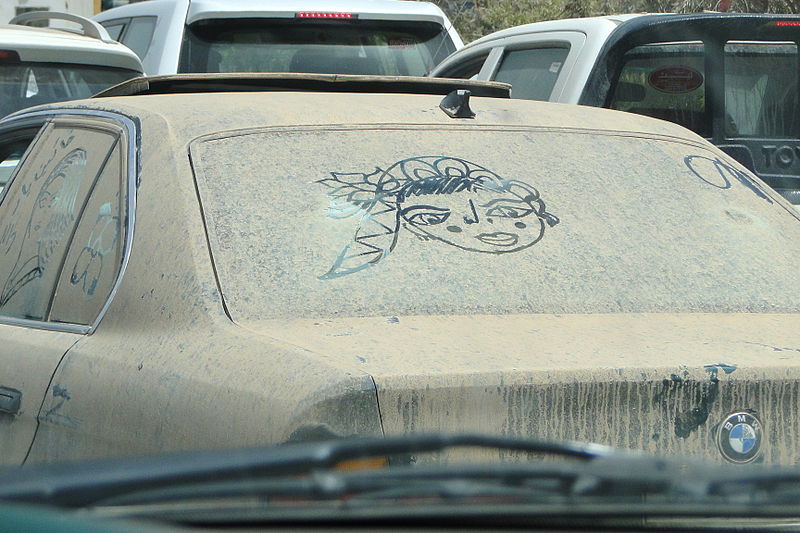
{"points": [[475, 18]]}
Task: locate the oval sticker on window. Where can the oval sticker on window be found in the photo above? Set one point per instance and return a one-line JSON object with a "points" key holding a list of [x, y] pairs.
{"points": [[675, 79]]}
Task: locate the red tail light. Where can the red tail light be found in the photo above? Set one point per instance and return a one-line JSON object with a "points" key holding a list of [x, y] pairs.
{"points": [[788, 23], [320, 15], [9, 56]]}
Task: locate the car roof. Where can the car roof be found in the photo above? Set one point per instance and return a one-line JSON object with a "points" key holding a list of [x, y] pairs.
{"points": [[607, 24], [382, 7], [585, 24], [192, 115], [41, 44], [199, 9]]}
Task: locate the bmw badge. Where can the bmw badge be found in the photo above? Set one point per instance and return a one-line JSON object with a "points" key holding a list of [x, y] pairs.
{"points": [[739, 437]]}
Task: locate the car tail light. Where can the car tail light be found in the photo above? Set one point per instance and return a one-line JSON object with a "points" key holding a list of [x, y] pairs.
{"points": [[9, 56], [321, 15], [788, 23]]}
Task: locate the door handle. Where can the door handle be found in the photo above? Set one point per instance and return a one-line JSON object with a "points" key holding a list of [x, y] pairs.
{"points": [[10, 400]]}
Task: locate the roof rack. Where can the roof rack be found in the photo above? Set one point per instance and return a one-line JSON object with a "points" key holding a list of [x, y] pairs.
{"points": [[90, 28], [238, 82]]}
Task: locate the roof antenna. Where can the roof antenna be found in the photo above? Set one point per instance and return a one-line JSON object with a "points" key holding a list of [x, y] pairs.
{"points": [[456, 104]]}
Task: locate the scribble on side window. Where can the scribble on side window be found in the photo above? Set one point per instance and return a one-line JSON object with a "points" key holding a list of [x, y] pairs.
{"points": [[52, 214], [88, 267], [437, 198]]}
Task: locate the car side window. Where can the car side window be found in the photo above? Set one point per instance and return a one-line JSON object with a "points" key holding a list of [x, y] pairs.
{"points": [[40, 211], [115, 27], [532, 72], [469, 69], [139, 35], [95, 254]]}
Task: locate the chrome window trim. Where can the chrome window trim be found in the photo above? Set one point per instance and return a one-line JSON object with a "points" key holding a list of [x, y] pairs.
{"points": [[132, 170], [49, 326]]}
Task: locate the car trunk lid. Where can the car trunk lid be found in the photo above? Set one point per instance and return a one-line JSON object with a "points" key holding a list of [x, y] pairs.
{"points": [[663, 383]]}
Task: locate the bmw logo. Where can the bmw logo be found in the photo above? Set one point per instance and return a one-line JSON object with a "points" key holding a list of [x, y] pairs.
{"points": [[739, 437]]}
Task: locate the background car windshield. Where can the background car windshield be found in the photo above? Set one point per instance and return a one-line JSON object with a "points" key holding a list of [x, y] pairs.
{"points": [[27, 84], [372, 221], [270, 45], [760, 89], [667, 81]]}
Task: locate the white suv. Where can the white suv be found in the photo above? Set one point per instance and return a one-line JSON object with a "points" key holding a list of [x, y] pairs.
{"points": [[388, 37], [43, 65]]}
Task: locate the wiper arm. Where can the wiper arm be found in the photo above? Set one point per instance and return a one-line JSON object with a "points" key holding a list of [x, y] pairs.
{"points": [[497, 479], [84, 484]]}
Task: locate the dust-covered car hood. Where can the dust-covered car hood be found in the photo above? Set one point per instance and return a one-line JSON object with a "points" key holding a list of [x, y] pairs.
{"points": [[659, 382]]}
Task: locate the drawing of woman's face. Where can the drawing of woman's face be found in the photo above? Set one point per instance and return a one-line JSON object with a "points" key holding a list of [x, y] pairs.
{"points": [[442, 198], [492, 219]]}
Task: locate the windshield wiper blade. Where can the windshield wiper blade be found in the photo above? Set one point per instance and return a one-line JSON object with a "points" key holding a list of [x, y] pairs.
{"points": [[615, 486], [83, 484]]}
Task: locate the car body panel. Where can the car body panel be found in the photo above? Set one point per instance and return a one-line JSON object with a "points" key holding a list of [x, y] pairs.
{"points": [[29, 358], [653, 382]]}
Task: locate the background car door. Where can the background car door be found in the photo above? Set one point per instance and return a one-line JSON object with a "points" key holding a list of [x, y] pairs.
{"points": [[537, 65], [39, 212]]}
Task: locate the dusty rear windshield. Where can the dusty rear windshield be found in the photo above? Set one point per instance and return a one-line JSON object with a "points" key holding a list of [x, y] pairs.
{"points": [[432, 220], [394, 48]]}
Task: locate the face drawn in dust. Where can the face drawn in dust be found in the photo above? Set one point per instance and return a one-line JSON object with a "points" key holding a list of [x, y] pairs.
{"points": [[440, 198]]}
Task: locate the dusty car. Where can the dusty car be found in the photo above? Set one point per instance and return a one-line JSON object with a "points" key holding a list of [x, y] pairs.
{"points": [[209, 262], [732, 78], [386, 37]]}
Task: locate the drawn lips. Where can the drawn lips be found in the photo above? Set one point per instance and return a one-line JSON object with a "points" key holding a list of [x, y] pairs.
{"points": [[498, 239]]}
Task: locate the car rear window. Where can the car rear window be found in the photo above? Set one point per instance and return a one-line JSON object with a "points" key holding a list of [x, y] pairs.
{"points": [[299, 45], [427, 220], [761, 85], [668, 81], [29, 83]]}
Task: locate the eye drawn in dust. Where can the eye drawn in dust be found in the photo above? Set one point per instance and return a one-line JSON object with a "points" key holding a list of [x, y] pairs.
{"points": [[102, 241], [719, 174], [53, 212], [439, 198]]}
